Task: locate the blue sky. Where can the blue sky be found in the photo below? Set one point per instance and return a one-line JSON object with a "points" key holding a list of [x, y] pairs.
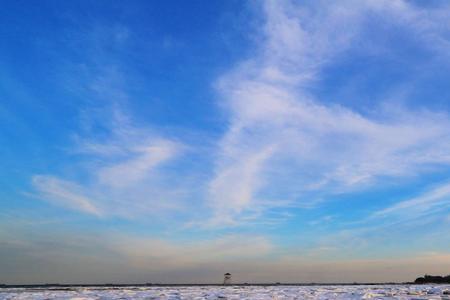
{"points": [[174, 141]]}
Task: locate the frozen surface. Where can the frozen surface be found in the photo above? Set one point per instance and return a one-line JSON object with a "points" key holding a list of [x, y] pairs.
{"points": [[236, 292]]}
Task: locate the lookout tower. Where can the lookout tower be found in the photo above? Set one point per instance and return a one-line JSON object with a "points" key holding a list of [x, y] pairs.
{"points": [[227, 278]]}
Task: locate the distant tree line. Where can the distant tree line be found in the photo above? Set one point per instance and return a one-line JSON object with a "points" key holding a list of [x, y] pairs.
{"points": [[433, 279]]}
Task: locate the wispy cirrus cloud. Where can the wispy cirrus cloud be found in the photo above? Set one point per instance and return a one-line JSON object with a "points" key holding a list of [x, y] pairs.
{"points": [[431, 202], [284, 141], [117, 166], [64, 193], [121, 178], [118, 170], [137, 168], [424, 216], [284, 145], [317, 148]]}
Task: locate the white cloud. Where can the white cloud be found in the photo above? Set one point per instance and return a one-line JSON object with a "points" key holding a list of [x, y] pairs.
{"points": [[283, 147], [137, 168], [232, 190], [64, 193], [435, 200], [122, 173], [387, 230], [317, 148]]}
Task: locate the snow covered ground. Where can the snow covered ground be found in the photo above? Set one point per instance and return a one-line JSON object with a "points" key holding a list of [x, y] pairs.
{"points": [[236, 292]]}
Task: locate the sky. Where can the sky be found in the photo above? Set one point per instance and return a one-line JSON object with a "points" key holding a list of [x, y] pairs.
{"points": [[174, 141]]}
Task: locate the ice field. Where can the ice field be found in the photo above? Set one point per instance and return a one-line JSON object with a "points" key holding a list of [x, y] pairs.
{"points": [[235, 292]]}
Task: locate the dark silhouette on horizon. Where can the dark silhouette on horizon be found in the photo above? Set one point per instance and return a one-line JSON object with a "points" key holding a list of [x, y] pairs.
{"points": [[432, 279]]}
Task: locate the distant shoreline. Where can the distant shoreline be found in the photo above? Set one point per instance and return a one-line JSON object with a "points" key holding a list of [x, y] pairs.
{"points": [[113, 286]]}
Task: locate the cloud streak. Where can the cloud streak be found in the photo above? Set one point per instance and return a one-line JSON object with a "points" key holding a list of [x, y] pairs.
{"points": [[64, 193], [435, 200], [281, 187], [284, 144], [121, 174], [137, 168], [318, 149]]}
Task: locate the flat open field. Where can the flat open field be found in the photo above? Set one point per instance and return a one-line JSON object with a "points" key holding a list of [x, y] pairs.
{"points": [[234, 292]]}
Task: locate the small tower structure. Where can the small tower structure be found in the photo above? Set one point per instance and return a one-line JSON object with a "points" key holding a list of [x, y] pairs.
{"points": [[227, 278]]}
